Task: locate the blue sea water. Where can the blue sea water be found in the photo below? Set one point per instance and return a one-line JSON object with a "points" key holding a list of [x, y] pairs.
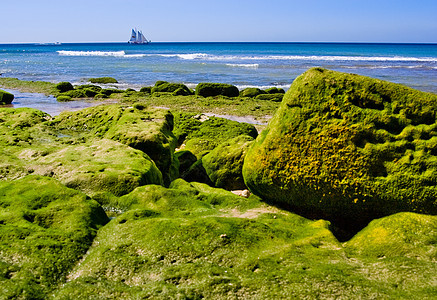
{"points": [[242, 64]]}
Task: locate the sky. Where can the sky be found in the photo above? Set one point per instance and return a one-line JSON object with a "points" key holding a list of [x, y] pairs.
{"points": [[45, 21]]}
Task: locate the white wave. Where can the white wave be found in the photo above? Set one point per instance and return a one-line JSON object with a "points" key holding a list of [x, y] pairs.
{"points": [[249, 66], [135, 55], [91, 53], [211, 57], [191, 56], [389, 67], [187, 56]]}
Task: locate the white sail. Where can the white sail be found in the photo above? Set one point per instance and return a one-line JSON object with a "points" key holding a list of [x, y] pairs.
{"points": [[137, 37], [142, 39], [133, 37]]}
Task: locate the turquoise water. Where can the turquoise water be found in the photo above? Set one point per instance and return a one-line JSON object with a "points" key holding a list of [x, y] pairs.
{"points": [[242, 64]]}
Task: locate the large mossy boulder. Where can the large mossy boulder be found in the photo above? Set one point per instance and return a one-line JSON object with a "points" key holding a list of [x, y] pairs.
{"points": [[45, 229], [349, 149], [148, 130], [224, 164], [207, 89], [95, 167], [193, 241], [82, 158], [5, 97]]}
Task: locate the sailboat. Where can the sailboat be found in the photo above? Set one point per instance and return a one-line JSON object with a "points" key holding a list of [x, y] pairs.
{"points": [[137, 37]]}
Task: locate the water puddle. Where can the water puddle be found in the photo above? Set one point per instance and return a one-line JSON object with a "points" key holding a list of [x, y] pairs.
{"points": [[48, 104]]}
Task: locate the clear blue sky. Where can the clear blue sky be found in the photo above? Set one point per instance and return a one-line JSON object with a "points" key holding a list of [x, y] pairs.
{"points": [[24, 21]]}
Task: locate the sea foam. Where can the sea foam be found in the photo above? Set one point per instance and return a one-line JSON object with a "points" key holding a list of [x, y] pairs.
{"points": [[300, 57], [91, 53]]}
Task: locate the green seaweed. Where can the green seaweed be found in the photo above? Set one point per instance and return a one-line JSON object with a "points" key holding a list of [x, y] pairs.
{"points": [[206, 89], [104, 80], [347, 148], [224, 164], [201, 135], [251, 92], [194, 241], [45, 229]]}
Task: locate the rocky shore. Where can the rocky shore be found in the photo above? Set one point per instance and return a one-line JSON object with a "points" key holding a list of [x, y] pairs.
{"points": [[336, 195]]}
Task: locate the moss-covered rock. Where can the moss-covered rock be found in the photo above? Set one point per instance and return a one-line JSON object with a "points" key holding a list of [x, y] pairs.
{"points": [[97, 166], [45, 229], [146, 89], [64, 86], [197, 173], [194, 241], [80, 157], [103, 80], [271, 97], [206, 89], [186, 160], [148, 130], [203, 134], [75, 94], [348, 148], [274, 90], [176, 89], [251, 92], [109, 92], [63, 98], [224, 164], [5, 97], [401, 235], [184, 242]]}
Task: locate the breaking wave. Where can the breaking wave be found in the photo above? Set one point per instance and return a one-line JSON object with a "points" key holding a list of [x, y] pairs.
{"points": [[212, 57], [91, 53]]}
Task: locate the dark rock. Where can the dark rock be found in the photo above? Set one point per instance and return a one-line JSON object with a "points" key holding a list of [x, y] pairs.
{"points": [[206, 89]]}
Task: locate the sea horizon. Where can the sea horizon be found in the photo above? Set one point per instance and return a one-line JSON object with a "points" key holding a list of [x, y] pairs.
{"points": [[218, 42]]}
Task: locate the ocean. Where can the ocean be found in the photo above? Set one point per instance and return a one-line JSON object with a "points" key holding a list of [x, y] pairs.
{"points": [[242, 64]]}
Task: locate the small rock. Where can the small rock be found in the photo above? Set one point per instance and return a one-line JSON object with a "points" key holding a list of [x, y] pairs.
{"points": [[242, 193]]}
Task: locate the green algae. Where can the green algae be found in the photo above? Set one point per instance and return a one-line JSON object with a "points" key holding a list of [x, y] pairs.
{"points": [[97, 166], [33, 142], [251, 92], [194, 241], [43, 87], [207, 89], [224, 163], [177, 89], [45, 229], [147, 130], [206, 134], [347, 148], [404, 234], [104, 80]]}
